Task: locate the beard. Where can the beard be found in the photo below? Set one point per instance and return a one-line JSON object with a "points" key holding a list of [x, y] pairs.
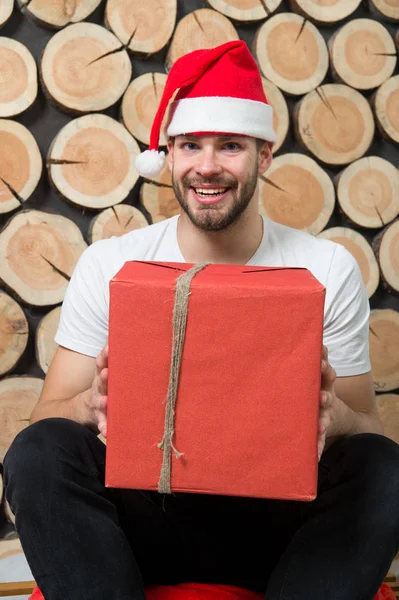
{"points": [[212, 217]]}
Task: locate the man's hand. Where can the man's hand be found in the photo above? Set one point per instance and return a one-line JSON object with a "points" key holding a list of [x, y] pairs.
{"points": [[99, 392], [331, 407]]}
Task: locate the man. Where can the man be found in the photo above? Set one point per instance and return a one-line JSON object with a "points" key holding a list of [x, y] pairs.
{"points": [[84, 541]]}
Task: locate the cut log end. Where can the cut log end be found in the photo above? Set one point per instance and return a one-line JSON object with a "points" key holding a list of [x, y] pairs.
{"points": [[387, 10], [384, 349], [21, 171], [203, 28], [247, 11], [45, 345], [18, 76], [91, 162], [84, 68], [14, 333], [58, 13], [385, 104], [281, 118], [291, 53], [116, 221], [39, 252], [159, 202], [158, 197], [6, 8], [368, 192], [361, 250], [140, 104], [142, 35], [335, 123], [18, 397], [296, 192], [325, 13], [362, 54], [388, 411], [386, 248]]}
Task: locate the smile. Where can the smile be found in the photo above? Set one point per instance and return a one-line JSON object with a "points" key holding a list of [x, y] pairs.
{"points": [[210, 192], [209, 195]]}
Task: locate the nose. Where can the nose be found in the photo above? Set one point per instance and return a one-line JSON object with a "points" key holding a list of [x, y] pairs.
{"points": [[208, 163]]}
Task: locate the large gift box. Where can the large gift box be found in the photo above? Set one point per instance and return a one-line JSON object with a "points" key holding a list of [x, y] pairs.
{"points": [[214, 379]]}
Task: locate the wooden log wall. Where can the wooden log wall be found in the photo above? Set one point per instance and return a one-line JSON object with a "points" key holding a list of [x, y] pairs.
{"points": [[80, 81]]}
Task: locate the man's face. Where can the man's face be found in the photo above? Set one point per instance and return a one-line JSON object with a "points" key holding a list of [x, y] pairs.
{"points": [[215, 177]]}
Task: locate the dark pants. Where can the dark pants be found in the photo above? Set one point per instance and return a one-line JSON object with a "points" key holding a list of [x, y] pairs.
{"points": [[87, 542]]}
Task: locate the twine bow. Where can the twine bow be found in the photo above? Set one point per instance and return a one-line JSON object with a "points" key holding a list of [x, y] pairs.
{"points": [[180, 311]]}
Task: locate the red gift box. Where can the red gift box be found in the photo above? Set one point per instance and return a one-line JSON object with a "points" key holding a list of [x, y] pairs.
{"points": [[247, 402]]}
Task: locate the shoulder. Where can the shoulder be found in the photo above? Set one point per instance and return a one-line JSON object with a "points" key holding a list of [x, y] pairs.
{"points": [[133, 239], [325, 258], [109, 255], [301, 242]]}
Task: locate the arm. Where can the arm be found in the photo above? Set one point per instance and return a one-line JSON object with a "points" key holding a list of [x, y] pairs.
{"points": [[359, 405], [75, 388], [348, 406]]}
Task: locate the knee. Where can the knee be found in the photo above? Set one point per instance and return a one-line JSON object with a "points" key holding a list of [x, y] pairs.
{"points": [[374, 460], [35, 447]]}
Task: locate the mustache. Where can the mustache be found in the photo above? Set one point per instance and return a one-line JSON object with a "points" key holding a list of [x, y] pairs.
{"points": [[210, 181]]}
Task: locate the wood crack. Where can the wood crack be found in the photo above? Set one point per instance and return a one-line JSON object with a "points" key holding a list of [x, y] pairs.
{"points": [[325, 101], [162, 185], [56, 268], [61, 161], [379, 215], [116, 215], [198, 21], [305, 20], [270, 182], [373, 332], [385, 54], [263, 3], [122, 47], [154, 86], [13, 192], [128, 221]]}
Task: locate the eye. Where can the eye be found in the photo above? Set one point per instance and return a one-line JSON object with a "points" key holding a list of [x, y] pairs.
{"points": [[232, 146], [189, 146]]}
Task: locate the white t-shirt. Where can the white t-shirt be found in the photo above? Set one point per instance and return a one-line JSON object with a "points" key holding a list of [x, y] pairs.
{"points": [[83, 325]]}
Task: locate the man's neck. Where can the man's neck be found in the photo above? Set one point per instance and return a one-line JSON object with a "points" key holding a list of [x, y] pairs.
{"points": [[235, 245]]}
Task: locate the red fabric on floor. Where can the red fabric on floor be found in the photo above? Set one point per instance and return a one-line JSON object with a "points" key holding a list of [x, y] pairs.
{"points": [[202, 591]]}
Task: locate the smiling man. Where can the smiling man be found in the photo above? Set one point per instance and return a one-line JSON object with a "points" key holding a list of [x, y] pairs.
{"points": [[87, 542], [224, 183]]}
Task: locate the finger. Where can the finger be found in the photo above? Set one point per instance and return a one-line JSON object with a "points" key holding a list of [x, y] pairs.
{"points": [[328, 375], [102, 360], [320, 445], [325, 399], [324, 424], [103, 404], [325, 353], [102, 426], [102, 382]]}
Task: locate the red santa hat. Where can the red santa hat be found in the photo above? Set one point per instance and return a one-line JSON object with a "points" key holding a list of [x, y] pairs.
{"points": [[220, 91]]}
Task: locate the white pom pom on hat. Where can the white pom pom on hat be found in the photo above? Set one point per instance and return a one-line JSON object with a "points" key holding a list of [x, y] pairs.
{"points": [[220, 91], [150, 163]]}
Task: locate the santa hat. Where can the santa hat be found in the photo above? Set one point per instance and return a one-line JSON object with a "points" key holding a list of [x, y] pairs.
{"points": [[220, 91]]}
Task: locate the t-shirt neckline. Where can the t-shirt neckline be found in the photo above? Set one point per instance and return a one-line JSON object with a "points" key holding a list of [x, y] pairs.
{"points": [[254, 260]]}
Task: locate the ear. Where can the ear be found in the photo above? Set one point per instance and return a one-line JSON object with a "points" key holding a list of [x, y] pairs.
{"points": [[170, 155], [264, 157]]}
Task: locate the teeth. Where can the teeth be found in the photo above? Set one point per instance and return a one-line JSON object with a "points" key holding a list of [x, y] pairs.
{"points": [[207, 192]]}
